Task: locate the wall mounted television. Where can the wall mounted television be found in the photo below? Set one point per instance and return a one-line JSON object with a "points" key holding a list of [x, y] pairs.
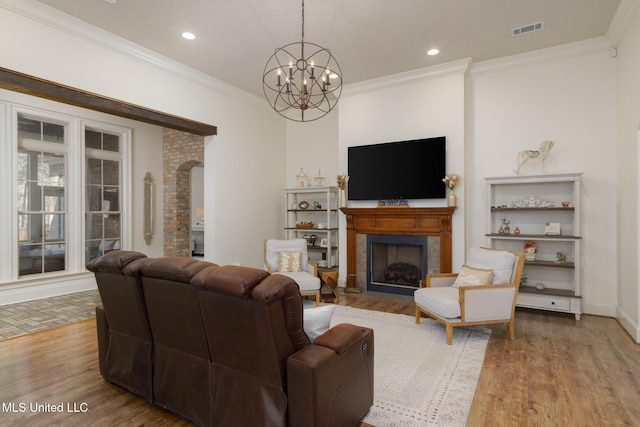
{"points": [[398, 170]]}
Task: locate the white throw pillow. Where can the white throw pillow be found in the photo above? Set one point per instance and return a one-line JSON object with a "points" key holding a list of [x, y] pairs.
{"points": [[289, 262], [501, 262], [470, 276], [316, 320]]}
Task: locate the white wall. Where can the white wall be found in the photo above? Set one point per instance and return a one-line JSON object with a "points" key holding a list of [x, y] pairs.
{"points": [[628, 200], [565, 94], [421, 104], [244, 164]]}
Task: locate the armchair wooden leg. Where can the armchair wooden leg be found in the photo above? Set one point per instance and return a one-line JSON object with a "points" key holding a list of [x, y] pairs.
{"points": [[418, 315], [449, 333], [510, 331], [317, 298]]}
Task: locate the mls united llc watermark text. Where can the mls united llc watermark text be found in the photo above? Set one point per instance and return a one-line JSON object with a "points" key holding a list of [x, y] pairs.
{"points": [[33, 407]]}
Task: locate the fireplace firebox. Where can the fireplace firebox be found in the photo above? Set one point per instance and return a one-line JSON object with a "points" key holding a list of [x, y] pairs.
{"points": [[396, 263]]}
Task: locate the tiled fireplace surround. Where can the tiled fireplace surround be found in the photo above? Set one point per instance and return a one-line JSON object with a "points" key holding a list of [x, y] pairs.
{"points": [[435, 223]]}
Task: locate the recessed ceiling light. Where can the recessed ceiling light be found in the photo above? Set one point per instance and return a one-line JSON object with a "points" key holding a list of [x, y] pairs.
{"points": [[189, 36], [432, 52], [111, 1]]}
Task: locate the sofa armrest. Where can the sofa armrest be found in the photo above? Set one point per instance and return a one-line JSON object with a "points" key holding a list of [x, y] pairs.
{"points": [[439, 280], [330, 382]]}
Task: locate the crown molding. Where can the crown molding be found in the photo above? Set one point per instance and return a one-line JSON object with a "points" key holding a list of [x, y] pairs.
{"points": [[623, 16], [570, 50], [461, 66], [68, 24]]}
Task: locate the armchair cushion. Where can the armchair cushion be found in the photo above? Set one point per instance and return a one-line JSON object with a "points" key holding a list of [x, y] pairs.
{"points": [[442, 301], [501, 262], [305, 281], [470, 276], [289, 261]]}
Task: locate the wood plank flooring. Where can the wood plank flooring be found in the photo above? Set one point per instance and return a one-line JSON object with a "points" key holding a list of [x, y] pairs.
{"points": [[558, 372]]}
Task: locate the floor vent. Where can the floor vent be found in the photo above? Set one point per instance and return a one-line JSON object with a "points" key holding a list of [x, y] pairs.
{"points": [[527, 29]]}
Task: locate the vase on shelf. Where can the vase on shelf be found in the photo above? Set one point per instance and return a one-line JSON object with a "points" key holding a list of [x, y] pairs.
{"points": [[452, 200], [343, 197]]}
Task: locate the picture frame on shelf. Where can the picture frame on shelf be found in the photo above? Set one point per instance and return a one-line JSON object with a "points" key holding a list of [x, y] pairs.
{"points": [[324, 242], [552, 228]]}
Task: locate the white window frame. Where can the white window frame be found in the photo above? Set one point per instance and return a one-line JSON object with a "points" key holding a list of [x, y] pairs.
{"points": [[74, 190]]}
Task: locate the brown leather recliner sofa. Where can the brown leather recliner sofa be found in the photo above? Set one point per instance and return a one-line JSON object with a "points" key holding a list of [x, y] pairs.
{"points": [[225, 345]]}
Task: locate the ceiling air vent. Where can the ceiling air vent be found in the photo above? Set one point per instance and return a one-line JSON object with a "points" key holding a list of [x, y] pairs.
{"points": [[527, 29]]}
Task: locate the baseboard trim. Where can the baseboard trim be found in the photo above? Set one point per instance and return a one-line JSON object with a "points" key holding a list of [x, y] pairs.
{"points": [[628, 324], [63, 285]]}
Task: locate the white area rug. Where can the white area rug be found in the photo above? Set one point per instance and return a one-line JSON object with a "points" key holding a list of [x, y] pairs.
{"points": [[419, 379]]}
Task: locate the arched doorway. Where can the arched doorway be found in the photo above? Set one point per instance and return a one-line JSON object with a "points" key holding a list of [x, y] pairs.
{"points": [[182, 152]]}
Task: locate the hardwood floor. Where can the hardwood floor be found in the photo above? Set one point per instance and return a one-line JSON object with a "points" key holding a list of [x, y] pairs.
{"points": [[558, 372]]}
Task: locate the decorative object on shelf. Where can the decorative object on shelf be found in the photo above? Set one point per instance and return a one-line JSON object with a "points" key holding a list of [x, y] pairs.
{"points": [[501, 230], [303, 205], [505, 226], [317, 206], [532, 202], [320, 226], [561, 258], [319, 180], [342, 189], [302, 179], [312, 239], [540, 286], [324, 242], [304, 224], [540, 154], [523, 279], [450, 181], [517, 231], [530, 249], [302, 81], [552, 229], [565, 203]]}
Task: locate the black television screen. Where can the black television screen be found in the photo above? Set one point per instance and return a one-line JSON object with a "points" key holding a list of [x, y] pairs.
{"points": [[398, 170]]}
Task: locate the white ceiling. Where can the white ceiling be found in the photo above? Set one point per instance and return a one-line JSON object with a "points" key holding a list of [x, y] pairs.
{"points": [[369, 38]]}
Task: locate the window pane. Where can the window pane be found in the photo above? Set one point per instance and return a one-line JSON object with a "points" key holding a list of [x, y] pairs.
{"points": [[54, 257], [94, 171], [111, 172], [30, 227], [54, 199], [94, 226], [94, 198], [51, 169], [54, 227], [110, 142], [112, 226], [91, 250], [92, 139], [29, 129], [30, 259], [111, 199], [52, 132], [29, 197]]}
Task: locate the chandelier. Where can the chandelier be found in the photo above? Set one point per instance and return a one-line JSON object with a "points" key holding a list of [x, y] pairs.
{"points": [[302, 81]]}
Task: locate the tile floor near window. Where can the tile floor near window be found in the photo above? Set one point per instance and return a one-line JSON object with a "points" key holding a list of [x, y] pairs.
{"points": [[26, 317]]}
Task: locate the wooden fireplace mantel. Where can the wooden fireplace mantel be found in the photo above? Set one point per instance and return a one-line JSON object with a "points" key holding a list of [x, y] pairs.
{"points": [[399, 221]]}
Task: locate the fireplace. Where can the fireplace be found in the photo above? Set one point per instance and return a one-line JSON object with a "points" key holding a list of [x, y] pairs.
{"points": [[434, 224], [395, 264]]}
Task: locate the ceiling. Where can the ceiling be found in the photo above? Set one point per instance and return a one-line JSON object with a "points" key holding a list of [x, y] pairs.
{"points": [[369, 38]]}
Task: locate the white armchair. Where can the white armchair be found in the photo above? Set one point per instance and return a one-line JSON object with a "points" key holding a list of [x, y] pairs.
{"points": [[483, 293], [290, 258]]}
